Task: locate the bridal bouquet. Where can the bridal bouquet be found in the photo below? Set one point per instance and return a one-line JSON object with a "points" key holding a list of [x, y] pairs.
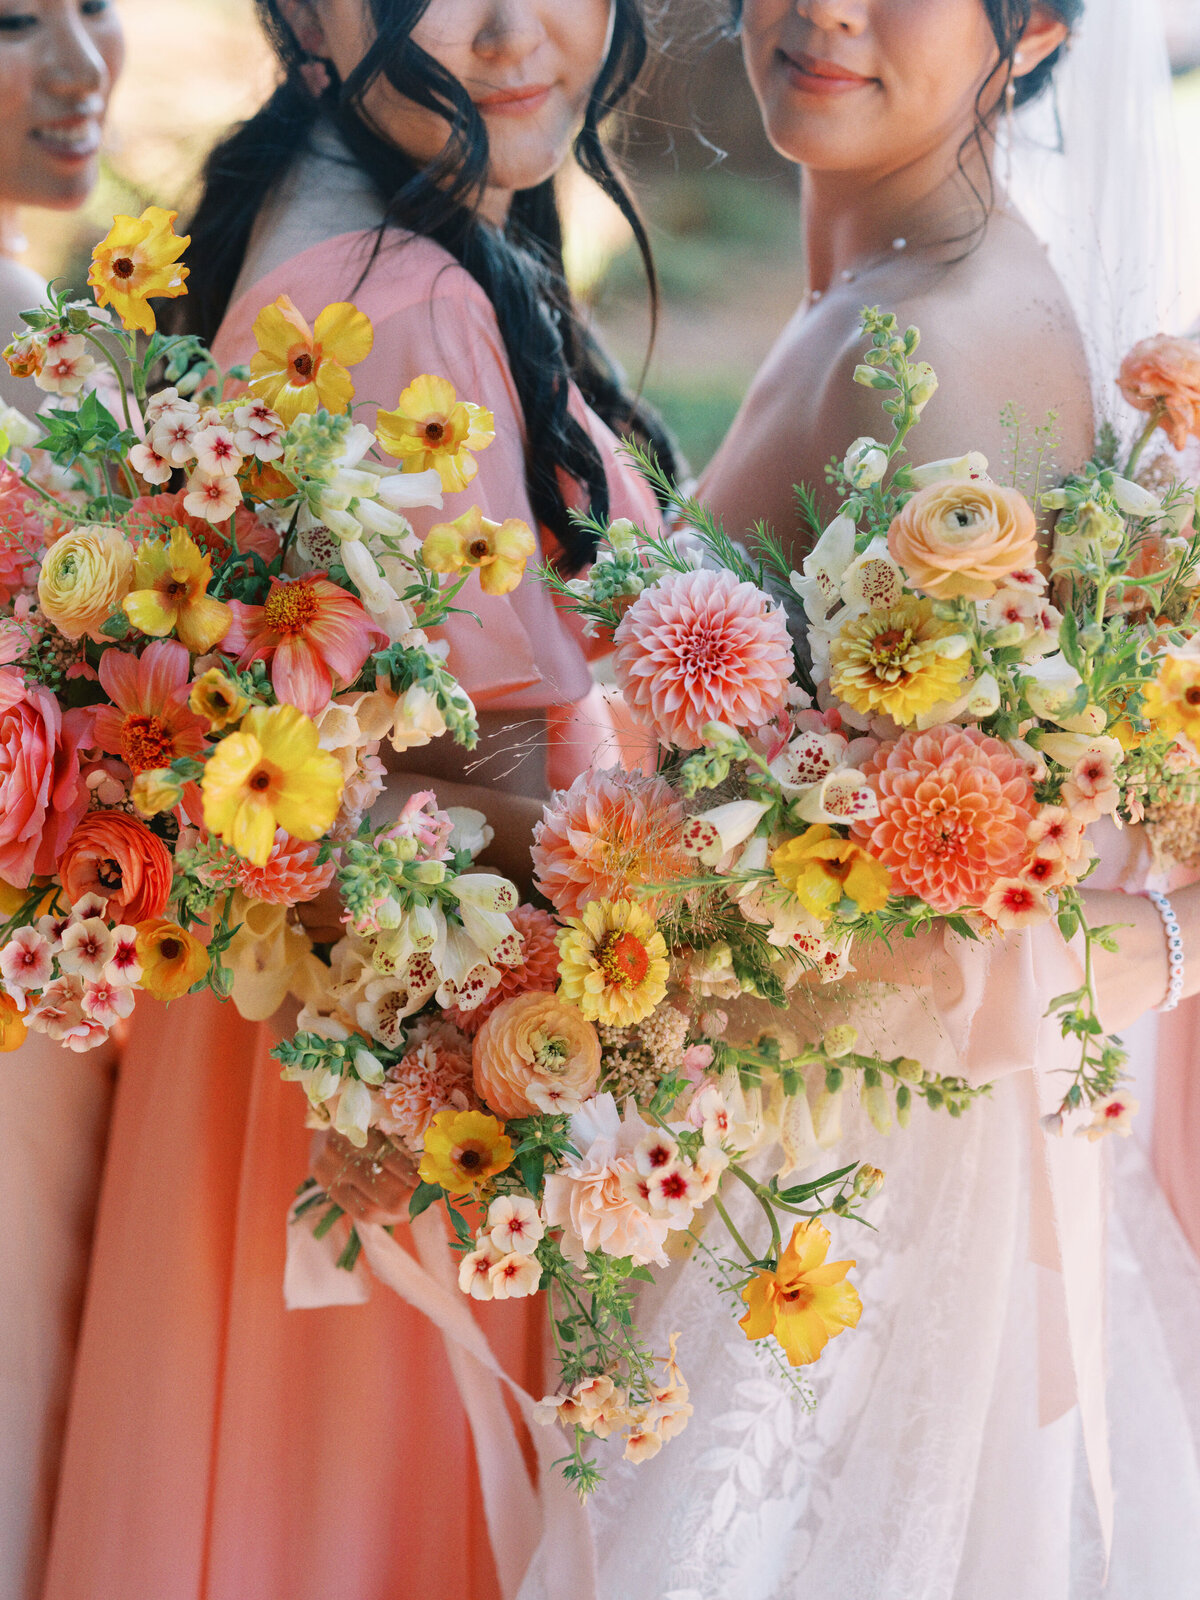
{"points": [[195, 681], [932, 747]]}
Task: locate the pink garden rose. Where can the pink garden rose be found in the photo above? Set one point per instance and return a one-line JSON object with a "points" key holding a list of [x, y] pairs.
{"points": [[41, 794]]}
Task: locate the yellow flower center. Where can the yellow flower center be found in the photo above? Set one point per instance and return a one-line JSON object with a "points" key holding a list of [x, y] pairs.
{"points": [[170, 949], [301, 365], [888, 652], [123, 267], [469, 1158], [624, 960], [146, 744], [798, 1296], [290, 609], [435, 431], [478, 549], [1192, 696], [260, 780]]}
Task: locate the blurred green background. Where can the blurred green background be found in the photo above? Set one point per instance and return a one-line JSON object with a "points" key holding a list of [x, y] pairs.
{"points": [[723, 208]]}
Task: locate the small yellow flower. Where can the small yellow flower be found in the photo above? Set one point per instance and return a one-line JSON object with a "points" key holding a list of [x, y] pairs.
{"points": [[432, 427], [270, 774], [299, 369], [498, 549], [463, 1149], [170, 593], [819, 868], [1171, 703], [155, 791], [84, 578], [897, 660], [13, 1027], [613, 963], [217, 698], [805, 1302], [171, 959], [138, 262]]}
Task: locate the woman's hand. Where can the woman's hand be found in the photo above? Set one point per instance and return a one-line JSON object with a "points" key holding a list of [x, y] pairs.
{"points": [[372, 1184]]}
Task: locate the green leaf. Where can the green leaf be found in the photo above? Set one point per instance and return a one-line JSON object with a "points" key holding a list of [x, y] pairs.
{"points": [[424, 1195]]}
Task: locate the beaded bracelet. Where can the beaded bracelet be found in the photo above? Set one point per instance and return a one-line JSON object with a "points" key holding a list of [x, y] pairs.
{"points": [[1171, 928]]}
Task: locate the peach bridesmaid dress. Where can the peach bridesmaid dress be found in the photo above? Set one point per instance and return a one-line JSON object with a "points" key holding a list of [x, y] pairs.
{"points": [[220, 1447]]}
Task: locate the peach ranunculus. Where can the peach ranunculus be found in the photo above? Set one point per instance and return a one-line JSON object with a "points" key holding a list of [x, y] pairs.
{"points": [[960, 537], [1161, 376], [536, 1056], [115, 856], [41, 794], [84, 578]]}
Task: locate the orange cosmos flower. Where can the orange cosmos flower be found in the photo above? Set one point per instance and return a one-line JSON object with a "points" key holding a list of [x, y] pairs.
{"points": [[172, 961], [138, 262], [299, 369], [806, 1301], [432, 427]]}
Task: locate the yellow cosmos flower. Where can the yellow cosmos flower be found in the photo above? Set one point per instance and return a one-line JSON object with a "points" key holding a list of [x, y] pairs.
{"points": [[299, 369], [170, 958], [897, 660], [270, 774], [463, 1149], [13, 1028], [170, 593], [1171, 703], [498, 549], [819, 868], [139, 262], [613, 963], [432, 427], [805, 1302], [217, 698]]}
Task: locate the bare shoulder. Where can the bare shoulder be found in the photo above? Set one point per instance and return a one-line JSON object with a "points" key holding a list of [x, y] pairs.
{"points": [[20, 290]]}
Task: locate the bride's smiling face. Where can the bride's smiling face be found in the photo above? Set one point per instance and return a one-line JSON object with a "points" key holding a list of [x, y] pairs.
{"points": [[871, 85], [529, 66]]}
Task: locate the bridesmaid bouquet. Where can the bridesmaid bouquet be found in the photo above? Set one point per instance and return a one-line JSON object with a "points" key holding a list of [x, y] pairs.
{"points": [[930, 743], [212, 612]]}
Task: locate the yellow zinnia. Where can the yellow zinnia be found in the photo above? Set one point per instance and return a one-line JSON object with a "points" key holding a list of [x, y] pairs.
{"points": [[463, 1149], [819, 867], [1171, 703], [432, 427], [613, 963], [138, 262], [805, 1302], [170, 593], [498, 549], [270, 774], [172, 961], [299, 369], [900, 660]]}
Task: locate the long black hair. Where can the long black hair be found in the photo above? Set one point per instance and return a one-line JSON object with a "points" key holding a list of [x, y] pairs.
{"points": [[519, 268]]}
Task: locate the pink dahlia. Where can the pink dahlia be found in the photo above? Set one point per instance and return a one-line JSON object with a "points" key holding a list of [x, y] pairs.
{"points": [[537, 973], [701, 647], [607, 831], [315, 635], [290, 877], [433, 1075], [954, 807], [149, 723]]}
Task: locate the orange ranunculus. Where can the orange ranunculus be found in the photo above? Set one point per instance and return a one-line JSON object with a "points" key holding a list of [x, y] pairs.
{"points": [[12, 1025], [535, 1056], [1163, 375], [117, 857], [961, 536]]}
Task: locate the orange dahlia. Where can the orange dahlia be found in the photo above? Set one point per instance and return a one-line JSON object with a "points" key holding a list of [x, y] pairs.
{"points": [[290, 877], [954, 806], [607, 832], [537, 972]]}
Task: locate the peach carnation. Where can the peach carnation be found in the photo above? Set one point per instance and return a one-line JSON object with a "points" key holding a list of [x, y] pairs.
{"points": [[114, 856], [962, 536], [534, 1055], [290, 877], [433, 1075], [537, 971], [954, 810], [1162, 375], [700, 647], [608, 831]]}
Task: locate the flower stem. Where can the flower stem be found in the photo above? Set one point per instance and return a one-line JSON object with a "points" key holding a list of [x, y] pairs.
{"points": [[1144, 438]]}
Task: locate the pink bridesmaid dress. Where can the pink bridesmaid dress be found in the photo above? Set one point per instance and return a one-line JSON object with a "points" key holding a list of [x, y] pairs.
{"points": [[220, 1447]]}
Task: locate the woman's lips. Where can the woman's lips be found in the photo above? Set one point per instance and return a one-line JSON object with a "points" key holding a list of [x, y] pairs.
{"points": [[516, 102], [74, 139], [811, 75]]}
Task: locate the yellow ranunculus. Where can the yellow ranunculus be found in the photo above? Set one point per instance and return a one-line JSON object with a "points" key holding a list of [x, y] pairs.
{"points": [[819, 868], [270, 774], [138, 262], [298, 369], [1171, 703], [613, 963], [170, 593], [806, 1301], [901, 660], [498, 549], [432, 427], [463, 1149], [84, 578], [217, 698], [171, 959]]}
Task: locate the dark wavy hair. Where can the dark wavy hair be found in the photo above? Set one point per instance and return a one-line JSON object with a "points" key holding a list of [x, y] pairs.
{"points": [[519, 268]]}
